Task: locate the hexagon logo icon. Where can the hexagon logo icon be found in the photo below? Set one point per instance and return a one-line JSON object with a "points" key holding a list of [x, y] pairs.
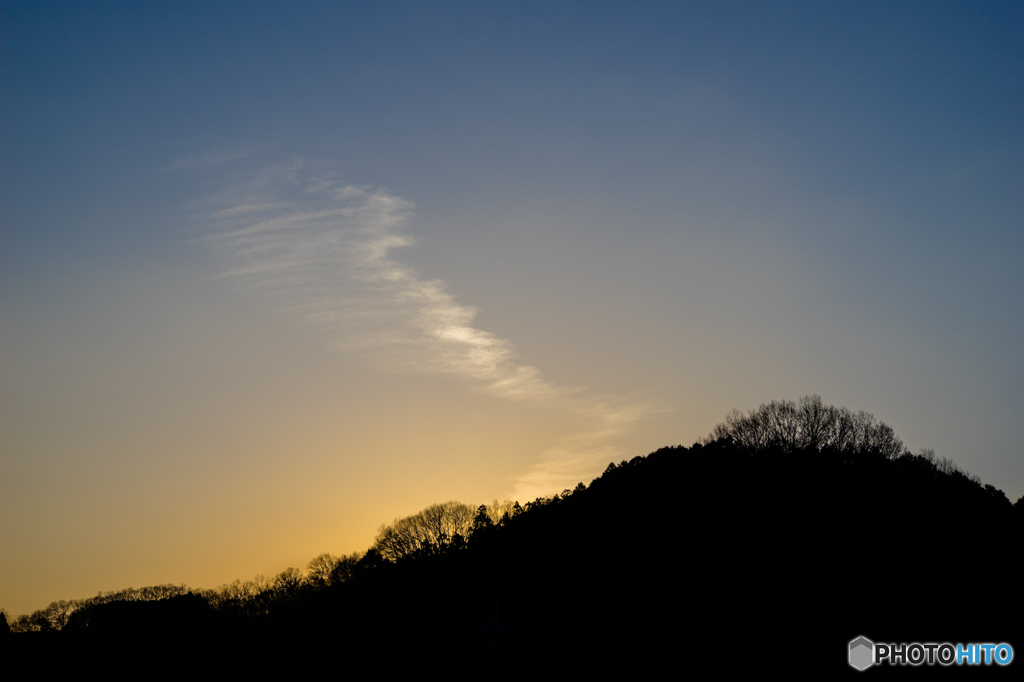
{"points": [[862, 653]]}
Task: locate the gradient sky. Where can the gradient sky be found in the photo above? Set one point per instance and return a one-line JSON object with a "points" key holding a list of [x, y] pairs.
{"points": [[274, 273]]}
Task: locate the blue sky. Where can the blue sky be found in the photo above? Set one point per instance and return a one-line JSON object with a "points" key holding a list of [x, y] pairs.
{"points": [[607, 225]]}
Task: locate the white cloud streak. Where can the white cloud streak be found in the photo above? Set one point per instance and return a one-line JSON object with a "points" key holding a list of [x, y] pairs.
{"points": [[323, 251]]}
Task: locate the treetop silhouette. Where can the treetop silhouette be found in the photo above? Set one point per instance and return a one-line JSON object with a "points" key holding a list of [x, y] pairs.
{"points": [[432, 530], [809, 424]]}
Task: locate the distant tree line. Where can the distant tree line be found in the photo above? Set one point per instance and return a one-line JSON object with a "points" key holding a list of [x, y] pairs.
{"points": [[438, 529], [255, 597]]}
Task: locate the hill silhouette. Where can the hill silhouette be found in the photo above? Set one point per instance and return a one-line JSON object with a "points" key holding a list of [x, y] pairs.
{"points": [[722, 555]]}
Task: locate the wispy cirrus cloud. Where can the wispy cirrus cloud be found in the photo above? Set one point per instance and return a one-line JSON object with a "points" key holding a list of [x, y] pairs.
{"points": [[325, 252]]}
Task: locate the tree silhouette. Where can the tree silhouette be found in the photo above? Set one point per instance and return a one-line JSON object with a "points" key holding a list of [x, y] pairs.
{"points": [[482, 523], [321, 568], [809, 424], [432, 530]]}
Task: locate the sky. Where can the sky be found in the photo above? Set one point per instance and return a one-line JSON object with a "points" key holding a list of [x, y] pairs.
{"points": [[272, 274]]}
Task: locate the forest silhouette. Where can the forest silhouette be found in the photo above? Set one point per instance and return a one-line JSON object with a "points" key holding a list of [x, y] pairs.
{"points": [[771, 544]]}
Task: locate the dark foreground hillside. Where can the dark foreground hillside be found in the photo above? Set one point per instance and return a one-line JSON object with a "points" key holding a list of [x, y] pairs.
{"points": [[716, 556]]}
